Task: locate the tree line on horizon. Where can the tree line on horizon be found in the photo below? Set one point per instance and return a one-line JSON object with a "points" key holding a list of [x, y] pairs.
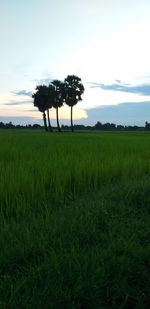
{"points": [[55, 95], [80, 127]]}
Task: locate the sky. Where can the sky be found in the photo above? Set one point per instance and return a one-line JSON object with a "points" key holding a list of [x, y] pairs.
{"points": [[105, 42]]}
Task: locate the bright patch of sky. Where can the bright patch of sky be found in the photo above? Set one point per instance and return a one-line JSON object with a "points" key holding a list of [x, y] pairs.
{"points": [[105, 42]]}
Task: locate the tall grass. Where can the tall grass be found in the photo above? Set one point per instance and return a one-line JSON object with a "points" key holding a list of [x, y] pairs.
{"points": [[37, 168], [75, 220]]}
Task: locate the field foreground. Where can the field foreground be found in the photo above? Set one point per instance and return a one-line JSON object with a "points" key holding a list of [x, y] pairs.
{"points": [[75, 220]]}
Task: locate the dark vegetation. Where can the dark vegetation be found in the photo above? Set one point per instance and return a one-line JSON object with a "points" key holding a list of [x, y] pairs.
{"points": [[97, 127], [74, 220], [55, 95]]}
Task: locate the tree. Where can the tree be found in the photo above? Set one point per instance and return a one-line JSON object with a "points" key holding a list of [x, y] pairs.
{"points": [[50, 104], [58, 98], [43, 100], [147, 125], [98, 125], [73, 91], [40, 101]]}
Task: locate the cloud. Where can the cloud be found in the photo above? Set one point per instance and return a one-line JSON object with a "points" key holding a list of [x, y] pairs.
{"points": [[32, 110], [19, 98], [20, 120], [17, 103], [44, 81], [143, 89], [23, 93], [123, 113]]}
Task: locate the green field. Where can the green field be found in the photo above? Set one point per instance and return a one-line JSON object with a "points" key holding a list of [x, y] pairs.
{"points": [[75, 220]]}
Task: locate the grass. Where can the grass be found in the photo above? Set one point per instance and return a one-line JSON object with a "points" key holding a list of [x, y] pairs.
{"points": [[74, 217]]}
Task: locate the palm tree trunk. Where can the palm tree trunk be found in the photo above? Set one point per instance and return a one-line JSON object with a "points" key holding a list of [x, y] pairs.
{"points": [[45, 122], [49, 122], [58, 126], [72, 128]]}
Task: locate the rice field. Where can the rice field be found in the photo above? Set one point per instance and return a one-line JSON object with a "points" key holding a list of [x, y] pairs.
{"points": [[75, 220]]}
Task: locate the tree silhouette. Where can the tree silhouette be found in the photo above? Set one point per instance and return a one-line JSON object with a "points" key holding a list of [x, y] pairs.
{"points": [[58, 98], [73, 91], [40, 101], [43, 100], [50, 103]]}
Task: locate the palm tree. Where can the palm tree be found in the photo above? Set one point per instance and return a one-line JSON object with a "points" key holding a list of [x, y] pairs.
{"points": [[40, 103], [42, 100], [50, 104], [58, 98], [73, 91]]}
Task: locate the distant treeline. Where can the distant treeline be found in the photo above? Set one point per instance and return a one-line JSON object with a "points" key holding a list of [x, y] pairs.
{"points": [[98, 126]]}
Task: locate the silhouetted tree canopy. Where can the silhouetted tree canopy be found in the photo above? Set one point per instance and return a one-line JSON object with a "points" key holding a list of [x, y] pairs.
{"points": [[55, 95], [58, 98], [73, 92], [41, 101], [80, 127]]}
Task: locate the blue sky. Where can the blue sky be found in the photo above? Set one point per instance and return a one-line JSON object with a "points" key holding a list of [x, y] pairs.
{"points": [[106, 43]]}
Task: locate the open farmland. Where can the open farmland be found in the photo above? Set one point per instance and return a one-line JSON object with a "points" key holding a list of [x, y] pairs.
{"points": [[75, 220]]}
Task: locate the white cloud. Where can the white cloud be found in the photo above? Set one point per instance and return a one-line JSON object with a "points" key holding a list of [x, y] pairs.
{"points": [[123, 55], [97, 97]]}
